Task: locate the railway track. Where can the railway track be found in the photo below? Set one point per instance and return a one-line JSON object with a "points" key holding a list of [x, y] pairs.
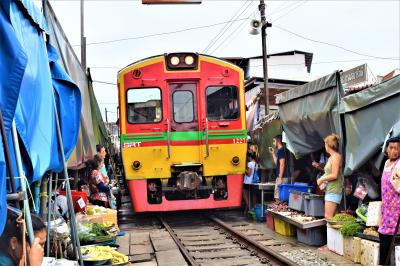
{"points": [[208, 240]]}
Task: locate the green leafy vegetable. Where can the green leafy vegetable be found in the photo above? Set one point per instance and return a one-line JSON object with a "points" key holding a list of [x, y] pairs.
{"points": [[349, 229], [343, 218]]}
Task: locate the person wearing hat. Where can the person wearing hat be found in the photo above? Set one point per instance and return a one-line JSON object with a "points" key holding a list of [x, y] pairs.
{"points": [[390, 209]]}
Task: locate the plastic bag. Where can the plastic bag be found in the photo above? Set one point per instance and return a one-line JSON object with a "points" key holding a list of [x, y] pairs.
{"points": [[256, 175], [361, 191]]}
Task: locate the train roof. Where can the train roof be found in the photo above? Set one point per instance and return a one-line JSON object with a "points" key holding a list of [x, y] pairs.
{"points": [[163, 55]]}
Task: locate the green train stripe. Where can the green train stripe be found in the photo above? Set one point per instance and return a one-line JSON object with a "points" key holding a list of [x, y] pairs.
{"points": [[188, 135]]}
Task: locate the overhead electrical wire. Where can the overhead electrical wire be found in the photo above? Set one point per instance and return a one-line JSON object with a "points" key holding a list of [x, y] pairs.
{"points": [[289, 11], [276, 11], [164, 33], [333, 45], [227, 26], [214, 39]]}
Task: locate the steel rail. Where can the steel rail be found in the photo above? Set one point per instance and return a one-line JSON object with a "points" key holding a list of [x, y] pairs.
{"points": [[184, 251], [252, 243]]}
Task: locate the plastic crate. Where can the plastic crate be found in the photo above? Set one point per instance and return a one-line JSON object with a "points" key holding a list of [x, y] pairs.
{"points": [[270, 221], [296, 200], [252, 214], [314, 205], [283, 190], [315, 236], [76, 196], [284, 228]]}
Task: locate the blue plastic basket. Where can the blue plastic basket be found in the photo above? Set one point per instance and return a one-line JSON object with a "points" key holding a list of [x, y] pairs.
{"points": [[283, 190], [257, 209]]}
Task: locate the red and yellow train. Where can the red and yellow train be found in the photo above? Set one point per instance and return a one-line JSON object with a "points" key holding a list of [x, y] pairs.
{"points": [[183, 132]]}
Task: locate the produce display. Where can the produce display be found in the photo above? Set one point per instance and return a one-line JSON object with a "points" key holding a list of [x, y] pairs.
{"points": [[341, 217], [90, 233], [371, 231], [362, 212], [279, 206], [94, 209], [349, 229], [103, 253]]}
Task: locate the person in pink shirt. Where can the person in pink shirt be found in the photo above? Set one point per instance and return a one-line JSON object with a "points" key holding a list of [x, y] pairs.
{"points": [[390, 210]]}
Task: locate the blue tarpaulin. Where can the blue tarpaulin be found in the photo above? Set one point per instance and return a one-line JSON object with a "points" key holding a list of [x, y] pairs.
{"points": [[30, 73]]}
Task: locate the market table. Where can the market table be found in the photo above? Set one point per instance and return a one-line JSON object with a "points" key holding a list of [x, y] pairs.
{"points": [[263, 187], [284, 216]]}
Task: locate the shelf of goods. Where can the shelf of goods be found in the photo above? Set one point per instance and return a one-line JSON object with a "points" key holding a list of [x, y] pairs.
{"points": [[310, 231]]}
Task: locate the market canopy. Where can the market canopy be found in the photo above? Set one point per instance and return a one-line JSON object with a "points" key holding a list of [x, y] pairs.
{"points": [[369, 115], [85, 147], [306, 113], [31, 80]]}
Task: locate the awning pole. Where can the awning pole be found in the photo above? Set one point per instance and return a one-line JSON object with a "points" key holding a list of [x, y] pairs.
{"points": [[343, 150], [23, 181], [50, 194], [74, 234], [7, 157]]}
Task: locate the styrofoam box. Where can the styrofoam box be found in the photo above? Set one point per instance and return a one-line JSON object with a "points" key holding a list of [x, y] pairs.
{"points": [[369, 253], [334, 240], [352, 248], [374, 213], [397, 254]]}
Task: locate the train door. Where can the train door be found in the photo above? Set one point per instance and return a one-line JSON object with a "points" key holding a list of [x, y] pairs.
{"points": [[185, 121]]}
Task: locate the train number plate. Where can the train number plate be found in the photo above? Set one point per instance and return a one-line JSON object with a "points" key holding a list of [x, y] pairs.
{"points": [[239, 141], [132, 145]]}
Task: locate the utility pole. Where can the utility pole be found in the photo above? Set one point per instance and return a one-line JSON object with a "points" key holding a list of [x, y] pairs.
{"points": [[83, 38], [106, 115], [264, 27]]}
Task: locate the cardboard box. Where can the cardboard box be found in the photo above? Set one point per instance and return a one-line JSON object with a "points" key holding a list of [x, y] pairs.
{"points": [[369, 253]]}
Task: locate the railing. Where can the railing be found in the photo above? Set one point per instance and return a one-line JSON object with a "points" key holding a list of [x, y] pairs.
{"points": [[168, 138], [206, 138]]}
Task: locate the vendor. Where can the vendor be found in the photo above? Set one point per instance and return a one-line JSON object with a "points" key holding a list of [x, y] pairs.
{"points": [[278, 154], [100, 189], [332, 180], [11, 241], [248, 179], [390, 209]]}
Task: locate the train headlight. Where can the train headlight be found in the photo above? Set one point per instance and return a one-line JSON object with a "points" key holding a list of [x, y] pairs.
{"points": [[182, 61], [175, 60], [136, 165], [235, 160], [189, 60]]}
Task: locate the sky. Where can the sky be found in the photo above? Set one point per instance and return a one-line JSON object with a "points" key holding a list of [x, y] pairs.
{"points": [[340, 34]]}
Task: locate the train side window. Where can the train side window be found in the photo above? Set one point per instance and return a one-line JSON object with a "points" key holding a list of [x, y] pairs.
{"points": [[183, 106], [144, 105], [222, 103]]}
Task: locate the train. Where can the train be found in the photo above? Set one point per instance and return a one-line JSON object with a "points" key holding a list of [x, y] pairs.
{"points": [[183, 132]]}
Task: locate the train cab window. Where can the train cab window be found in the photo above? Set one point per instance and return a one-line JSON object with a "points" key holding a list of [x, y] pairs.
{"points": [[222, 103], [183, 106], [144, 105]]}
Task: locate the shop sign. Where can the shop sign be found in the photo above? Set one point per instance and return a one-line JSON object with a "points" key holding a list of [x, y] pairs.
{"points": [[354, 76]]}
